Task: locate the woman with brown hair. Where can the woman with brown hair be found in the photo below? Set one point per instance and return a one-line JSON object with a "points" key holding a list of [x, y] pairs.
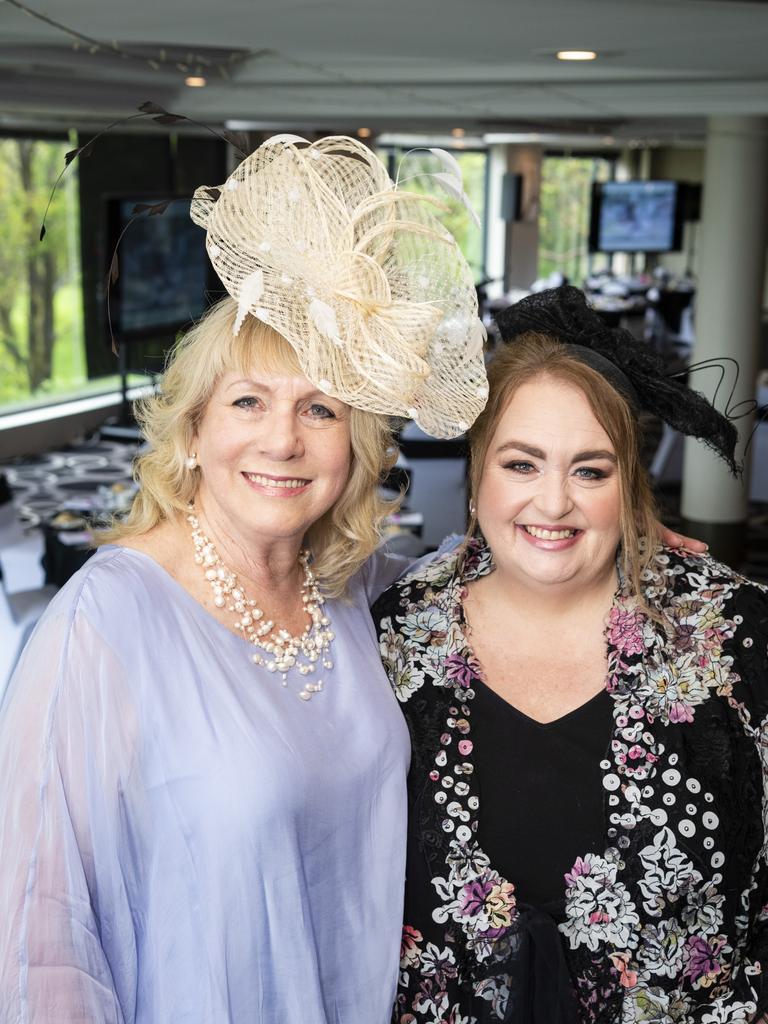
{"points": [[587, 712]]}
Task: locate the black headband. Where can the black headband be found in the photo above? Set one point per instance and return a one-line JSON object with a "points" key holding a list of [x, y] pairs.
{"points": [[615, 377], [629, 365]]}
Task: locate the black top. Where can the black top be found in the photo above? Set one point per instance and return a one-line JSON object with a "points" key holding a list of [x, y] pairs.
{"points": [[540, 790], [666, 921]]}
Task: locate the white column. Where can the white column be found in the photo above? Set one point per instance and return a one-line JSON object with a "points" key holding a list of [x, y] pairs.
{"points": [[733, 237], [522, 236], [496, 228]]}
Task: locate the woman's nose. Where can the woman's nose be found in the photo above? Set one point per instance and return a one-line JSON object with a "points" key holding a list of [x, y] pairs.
{"points": [[281, 438], [553, 498]]}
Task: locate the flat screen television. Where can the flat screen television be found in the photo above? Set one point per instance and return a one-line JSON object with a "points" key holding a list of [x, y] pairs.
{"points": [[636, 216], [165, 279]]}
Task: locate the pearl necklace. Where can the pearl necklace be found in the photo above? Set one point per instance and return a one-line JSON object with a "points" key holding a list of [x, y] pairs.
{"points": [[282, 651]]}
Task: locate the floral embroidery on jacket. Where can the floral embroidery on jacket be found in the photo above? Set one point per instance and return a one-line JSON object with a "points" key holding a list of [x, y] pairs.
{"points": [[670, 922], [599, 908]]}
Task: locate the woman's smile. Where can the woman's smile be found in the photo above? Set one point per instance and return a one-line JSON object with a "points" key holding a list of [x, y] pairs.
{"points": [[550, 538], [277, 486]]}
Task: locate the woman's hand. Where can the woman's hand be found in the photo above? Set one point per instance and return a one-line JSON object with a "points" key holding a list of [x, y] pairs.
{"points": [[679, 540]]}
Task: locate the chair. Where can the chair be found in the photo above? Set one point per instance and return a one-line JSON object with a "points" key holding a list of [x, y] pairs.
{"points": [[669, 321]]}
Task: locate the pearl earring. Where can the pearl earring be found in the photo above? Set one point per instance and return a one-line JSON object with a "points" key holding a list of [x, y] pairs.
{"points": [[191, 461], [472, 509]]}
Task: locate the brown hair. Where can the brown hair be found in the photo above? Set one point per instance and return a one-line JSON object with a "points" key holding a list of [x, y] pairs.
{"points": [[343, 538], [539, 355]]}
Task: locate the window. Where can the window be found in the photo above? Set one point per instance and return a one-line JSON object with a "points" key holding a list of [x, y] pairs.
{"points": [[42, 352], [473, 164], [566, 192]]}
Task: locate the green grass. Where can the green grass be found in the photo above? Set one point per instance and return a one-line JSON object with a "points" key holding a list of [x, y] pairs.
{"points": [[69, 367], [69, 373]]}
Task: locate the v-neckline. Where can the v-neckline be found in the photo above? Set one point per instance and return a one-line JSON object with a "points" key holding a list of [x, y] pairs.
{"points": [[458, 589], [508, 706]]}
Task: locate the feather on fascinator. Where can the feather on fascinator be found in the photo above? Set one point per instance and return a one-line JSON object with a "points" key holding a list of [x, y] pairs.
{"points": [[633, 368], [358, 276]]}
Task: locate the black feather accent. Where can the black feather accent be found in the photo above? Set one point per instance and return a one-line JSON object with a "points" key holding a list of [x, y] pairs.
{"points": [[152, 108], [170, 118], [563, 313], [153, 209], [238, 141]]}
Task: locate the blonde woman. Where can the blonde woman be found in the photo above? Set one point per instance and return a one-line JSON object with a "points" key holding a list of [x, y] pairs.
{"points": [[203, 770]]}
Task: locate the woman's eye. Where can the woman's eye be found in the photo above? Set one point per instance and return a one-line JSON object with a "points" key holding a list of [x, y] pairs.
{"points": [[321, 412], [520, 467], [590, 473], [246, 402]]}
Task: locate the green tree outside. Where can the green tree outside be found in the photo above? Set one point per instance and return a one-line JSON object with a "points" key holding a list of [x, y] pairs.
{"points": [[42, 352], [565, 198], [415, 173]]}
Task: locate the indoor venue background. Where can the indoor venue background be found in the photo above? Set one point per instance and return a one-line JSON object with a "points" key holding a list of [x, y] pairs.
{"points": [[639, 174]]}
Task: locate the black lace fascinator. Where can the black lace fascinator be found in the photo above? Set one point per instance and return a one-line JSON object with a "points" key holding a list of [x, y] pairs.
{"points": [[633, 368]]}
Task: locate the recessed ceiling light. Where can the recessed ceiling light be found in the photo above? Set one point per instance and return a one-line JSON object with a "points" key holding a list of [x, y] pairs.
{"points": [[363, 133], [576, 55], [195, 81]]}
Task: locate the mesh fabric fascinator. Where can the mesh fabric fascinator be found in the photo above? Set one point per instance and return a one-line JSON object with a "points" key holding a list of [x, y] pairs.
{"points": [[359, 276], [627, 363]]}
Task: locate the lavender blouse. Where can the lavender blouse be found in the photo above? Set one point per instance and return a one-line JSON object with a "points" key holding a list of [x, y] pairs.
{"points": [[181, 838]]}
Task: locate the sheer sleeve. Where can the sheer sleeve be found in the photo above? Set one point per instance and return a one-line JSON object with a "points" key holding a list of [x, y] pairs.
{"points": [[66, 731], [380, 572], [383, 568]]}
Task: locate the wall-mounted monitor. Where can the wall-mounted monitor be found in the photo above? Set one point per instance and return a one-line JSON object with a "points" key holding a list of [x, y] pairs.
{"points": [[165, 277], [636, 216]]}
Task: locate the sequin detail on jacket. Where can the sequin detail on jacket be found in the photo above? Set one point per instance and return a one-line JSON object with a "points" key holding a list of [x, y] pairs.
{"points": [[670, 922]]}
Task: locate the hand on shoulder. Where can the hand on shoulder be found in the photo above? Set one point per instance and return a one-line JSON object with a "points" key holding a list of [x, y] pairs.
{"points": [[671, 539]]}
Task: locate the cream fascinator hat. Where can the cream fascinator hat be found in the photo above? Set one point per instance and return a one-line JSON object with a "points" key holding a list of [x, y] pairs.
{"points": [[358, 275]]}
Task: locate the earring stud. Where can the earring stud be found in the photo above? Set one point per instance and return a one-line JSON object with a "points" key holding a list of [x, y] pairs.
{"points": [[191, 461]]}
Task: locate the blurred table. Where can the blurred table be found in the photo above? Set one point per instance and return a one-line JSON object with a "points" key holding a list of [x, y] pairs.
{"points": [[64, 493], [613, 308]]}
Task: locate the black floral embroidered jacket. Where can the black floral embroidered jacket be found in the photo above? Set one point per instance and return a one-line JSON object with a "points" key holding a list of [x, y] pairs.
{"points": [[670, 922]]}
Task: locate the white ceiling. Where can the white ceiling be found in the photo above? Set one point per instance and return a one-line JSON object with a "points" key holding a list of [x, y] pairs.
{"points": [[484, 65]]}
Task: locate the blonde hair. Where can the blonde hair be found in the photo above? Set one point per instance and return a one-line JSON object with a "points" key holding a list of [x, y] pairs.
{"points": [[344, 537], [533, 356]]}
